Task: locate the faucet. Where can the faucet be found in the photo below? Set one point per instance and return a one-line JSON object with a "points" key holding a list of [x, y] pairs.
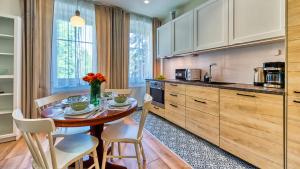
{"points": [[210, 66]]}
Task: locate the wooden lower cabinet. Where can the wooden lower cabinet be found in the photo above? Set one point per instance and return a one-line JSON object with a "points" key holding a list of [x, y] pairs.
{"points": [[175, 113], [293, 133], [157, 110], [203, 124], [251, 127]]}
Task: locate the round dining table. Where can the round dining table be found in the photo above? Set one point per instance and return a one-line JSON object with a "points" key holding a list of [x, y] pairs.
{"points": [[95, 122]]}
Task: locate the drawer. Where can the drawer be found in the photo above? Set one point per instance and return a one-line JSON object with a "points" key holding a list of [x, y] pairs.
{"points": [[206, 106], [175, 98], [207, 93], [293, 146], [203, 125], [293, 83], [157, 110], [175, 88], [175, 113]]}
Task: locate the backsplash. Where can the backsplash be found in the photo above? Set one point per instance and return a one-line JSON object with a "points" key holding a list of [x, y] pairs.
{"points": [[233, 65]]}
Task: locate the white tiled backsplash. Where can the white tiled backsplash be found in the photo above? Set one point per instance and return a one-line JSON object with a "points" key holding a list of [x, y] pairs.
{"points": [[233, 65]]}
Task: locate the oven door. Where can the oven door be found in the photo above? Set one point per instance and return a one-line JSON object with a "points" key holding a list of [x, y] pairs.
{"points": [[158, 96]]}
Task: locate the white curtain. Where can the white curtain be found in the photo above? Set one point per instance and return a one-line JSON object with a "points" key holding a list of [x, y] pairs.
{"points": [[140, 54], [73, 49]]}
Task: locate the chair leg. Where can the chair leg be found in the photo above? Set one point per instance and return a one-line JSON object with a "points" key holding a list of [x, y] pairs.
{"points": [[95, 157], [105, 149], [138, 155], [119, 149], [112, 149], [142, 151]]}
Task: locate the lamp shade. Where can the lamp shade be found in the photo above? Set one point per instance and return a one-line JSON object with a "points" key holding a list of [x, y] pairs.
{"points": [[76, 20]]}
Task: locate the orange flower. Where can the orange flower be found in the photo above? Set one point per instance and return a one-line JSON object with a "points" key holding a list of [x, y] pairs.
{"points": [[91, 74], [91, 77]]}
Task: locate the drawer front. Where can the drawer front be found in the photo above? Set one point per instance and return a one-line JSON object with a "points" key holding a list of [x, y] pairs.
{"points": [[175, 98], [207, 93], [294, 79], [157, 110], [175, 88], [203, 125], [251, 127], [175, 113], [205, 106], [293, 144]]}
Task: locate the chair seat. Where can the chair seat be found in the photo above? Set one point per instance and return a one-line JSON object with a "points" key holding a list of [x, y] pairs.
{"points": [[65, 131], [121, 132], [72, 148]]}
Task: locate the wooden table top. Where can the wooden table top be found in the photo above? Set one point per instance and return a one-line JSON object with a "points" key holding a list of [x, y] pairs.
{"points": [[105, 117]]}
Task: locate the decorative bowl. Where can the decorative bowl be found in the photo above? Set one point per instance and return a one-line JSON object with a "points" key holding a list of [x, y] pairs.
{"points": [[78, 103], [120, 99]]}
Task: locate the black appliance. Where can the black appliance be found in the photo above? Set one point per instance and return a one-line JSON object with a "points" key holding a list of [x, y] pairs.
{"points": [[274, 74], [157, 91]]}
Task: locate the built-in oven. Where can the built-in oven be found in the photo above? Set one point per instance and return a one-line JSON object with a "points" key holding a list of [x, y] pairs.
{"points": [[157, 91]]}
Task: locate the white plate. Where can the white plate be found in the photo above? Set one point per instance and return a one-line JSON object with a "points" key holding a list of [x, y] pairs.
{"points": [[70, 111], [115, 104]]}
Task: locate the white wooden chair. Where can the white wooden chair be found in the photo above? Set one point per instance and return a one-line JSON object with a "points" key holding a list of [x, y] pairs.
{"points": [[44, 102], [69, 150], [126, 92], [127, 133]]}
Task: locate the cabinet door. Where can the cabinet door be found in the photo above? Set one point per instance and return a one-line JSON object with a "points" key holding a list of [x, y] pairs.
{"points": [[211, 25], [252, 20], [164, 40], [183, 33], [251, 127]]}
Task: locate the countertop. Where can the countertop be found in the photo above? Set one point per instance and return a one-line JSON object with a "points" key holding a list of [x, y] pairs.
{"points": [[235, 86]]}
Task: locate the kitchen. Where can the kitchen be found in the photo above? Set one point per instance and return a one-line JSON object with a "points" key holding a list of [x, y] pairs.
{"points": [[225, 77], [150, 84]]}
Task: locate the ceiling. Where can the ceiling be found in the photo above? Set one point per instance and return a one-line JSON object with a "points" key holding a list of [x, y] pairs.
{"points": [[156, 8]]}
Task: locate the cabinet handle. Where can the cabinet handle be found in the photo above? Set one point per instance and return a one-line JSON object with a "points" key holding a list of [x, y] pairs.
{"points": [[175, 95], [247, 95], [156, 107], [200, 101], [173, 84], [296, 101], [173, 105], [297, 92]]}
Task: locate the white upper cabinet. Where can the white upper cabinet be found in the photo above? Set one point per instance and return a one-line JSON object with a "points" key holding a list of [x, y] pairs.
{"points": [[183, 27], [164, 40], [252, 20], [211, 25]]}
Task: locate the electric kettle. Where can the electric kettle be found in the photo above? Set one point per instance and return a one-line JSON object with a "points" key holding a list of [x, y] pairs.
{"points": [[259, 76]]}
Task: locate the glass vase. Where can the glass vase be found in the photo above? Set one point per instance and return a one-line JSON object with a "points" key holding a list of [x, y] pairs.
{"points": [[95, 94]]}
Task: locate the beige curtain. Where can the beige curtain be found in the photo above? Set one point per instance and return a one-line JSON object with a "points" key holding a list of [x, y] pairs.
{"points": [[36, 52], [112, 26], [156, 61]]}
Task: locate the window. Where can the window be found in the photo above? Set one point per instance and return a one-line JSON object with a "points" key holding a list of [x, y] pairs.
{"points": [[140, 50], [73, 49]]}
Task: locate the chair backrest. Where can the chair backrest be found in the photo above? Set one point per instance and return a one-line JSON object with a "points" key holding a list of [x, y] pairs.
{"points": [[30, 128], [145, 111], [44, 102], [127, 92]]}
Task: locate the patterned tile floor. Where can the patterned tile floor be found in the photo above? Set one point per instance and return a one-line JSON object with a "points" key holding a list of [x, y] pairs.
{"points": [[199, 153]]}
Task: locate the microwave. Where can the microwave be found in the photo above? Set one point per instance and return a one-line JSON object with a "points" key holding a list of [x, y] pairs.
{"points": [[188, 74]]}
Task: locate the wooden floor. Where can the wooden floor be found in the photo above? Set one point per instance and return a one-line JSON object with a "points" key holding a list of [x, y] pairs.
{"points": [[15, 155]]}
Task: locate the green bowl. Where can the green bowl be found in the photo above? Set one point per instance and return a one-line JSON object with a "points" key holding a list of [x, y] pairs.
{"points": [[78, 103], [120, 99], [107, 94]]}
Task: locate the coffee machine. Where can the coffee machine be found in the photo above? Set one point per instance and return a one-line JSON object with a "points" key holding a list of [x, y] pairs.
{"points": [[274, 74]]}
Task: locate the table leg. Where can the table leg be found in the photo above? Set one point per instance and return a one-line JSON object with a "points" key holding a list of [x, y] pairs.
{"points": [[96, 132]]}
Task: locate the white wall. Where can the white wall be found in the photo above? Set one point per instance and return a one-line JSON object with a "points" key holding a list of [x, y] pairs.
{"points": [[10, 7], [233, 65]]}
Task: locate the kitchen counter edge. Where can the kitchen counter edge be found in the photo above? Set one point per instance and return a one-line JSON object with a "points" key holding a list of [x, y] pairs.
{"points": [[236, 86]]}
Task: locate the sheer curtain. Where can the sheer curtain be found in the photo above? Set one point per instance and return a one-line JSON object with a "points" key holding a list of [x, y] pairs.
{"points": [[140, 54], [74, 50]]}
